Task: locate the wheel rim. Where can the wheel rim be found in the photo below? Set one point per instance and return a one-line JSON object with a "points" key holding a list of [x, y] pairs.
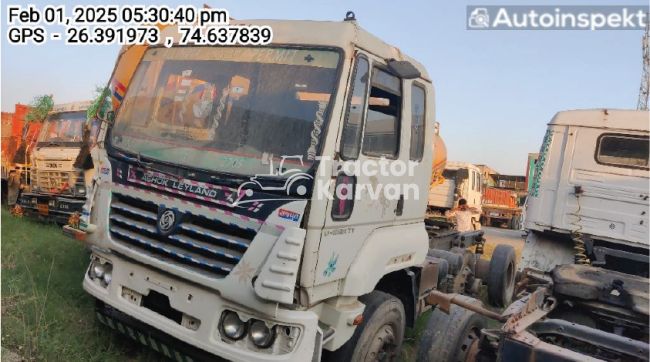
{"points": [[469, 346], [383, 346]]}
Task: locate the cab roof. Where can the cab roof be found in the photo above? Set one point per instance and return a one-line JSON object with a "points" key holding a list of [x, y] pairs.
{"points": [[456, 165], [71, 107], [342, 34], [622, 119]]}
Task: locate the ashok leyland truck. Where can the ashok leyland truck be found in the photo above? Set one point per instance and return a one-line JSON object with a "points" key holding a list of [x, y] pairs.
{"points": [[209, 223], [57, 190]]}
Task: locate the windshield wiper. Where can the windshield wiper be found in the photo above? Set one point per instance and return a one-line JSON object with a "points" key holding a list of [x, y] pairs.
{"points": [[52, 144]]}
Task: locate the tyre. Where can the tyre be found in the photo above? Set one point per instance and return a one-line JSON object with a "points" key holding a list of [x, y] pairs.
{"points": [[501, 275], [451, 337], [515, 222], [379, 336]]}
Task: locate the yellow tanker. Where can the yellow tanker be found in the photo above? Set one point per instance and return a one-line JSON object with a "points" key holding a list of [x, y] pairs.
{"points": [[439, 159]]}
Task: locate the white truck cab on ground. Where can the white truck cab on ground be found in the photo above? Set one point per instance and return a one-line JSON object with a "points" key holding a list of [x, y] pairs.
{"points": [[57, 190], [262, 274], [588, 203]]}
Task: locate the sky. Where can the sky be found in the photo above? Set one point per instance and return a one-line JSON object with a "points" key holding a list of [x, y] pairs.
{"points": [[495, 90]]}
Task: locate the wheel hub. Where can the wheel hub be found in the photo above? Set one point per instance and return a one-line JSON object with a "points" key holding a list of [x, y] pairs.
{"points": [[383, 346], [469, 346]]}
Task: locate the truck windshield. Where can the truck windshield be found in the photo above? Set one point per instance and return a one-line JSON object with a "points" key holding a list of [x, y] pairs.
{"points": [[228, 109], [65, 129]]}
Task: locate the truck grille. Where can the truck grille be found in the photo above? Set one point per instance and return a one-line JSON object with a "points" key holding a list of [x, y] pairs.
{"points": [[200, 245], [53, 181]]}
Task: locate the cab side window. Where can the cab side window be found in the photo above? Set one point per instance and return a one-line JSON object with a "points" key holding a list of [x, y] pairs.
{"points": [[381, 136], [620, 150], [418, 122], [351, 139]]}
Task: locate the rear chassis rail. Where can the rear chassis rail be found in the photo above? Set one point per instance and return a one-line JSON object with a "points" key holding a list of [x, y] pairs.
{"points": [[532, 332]]}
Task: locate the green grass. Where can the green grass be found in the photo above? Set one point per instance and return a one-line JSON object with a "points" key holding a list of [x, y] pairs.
{"points": [[46, 314]]}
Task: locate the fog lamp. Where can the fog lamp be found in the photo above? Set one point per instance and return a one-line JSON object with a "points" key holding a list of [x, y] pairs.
{"points": [[98, 269], [232, 326], [108, 274], [260, 334]]}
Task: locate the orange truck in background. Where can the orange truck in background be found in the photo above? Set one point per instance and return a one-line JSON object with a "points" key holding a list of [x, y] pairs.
{"points": [[500, 208], [15, 165]]}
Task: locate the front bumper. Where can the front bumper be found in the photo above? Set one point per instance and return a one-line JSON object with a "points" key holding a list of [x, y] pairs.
{"points": [[61, 210], [198, 302]]}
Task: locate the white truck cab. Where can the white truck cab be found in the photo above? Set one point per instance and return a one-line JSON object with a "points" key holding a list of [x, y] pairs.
{"points": [[57, 190], [254, 273], [588, 203], [461, 181]]}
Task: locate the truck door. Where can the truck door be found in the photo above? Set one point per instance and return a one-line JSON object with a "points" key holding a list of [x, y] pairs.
{"points": [[610, 171], [372, 125]]}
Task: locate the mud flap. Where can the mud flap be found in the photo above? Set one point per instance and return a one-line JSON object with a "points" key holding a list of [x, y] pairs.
{"points": [[544, 252], [13, 189]]}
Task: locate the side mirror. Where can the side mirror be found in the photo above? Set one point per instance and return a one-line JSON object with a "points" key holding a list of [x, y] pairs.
{"points": [[404, 69], [110, 116]]}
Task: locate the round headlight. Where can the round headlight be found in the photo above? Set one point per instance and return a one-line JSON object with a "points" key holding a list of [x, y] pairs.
{"points": [[260, 334], [232, 326], [98, 269], [34, 201]]}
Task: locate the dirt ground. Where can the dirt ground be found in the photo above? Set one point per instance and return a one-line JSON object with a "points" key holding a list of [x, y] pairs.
{"points": [[496, 236]]}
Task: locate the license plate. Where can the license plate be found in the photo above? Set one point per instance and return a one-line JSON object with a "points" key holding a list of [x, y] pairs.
{"points": [[43, 209], [494, 214], [74, 233]]}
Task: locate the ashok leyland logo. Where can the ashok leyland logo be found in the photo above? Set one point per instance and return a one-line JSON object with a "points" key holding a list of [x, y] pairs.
{"points": [[550, 17], [166, 220]]}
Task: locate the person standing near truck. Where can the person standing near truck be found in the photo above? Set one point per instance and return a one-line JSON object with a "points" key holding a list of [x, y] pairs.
{"points": [[463, 214]]}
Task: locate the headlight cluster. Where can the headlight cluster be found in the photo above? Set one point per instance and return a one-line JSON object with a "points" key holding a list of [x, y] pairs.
{"points": [[34, 201], [52, 203], [101, 271], [80, 190], [258, 332]]}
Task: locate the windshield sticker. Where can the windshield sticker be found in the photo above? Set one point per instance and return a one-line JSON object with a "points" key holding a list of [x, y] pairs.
{"points": [[315, 133], [187, 73], [286, 56], [289, 215]]}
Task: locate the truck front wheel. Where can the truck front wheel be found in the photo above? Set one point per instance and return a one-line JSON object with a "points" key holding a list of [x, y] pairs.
{"points": [[379, 337]]}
